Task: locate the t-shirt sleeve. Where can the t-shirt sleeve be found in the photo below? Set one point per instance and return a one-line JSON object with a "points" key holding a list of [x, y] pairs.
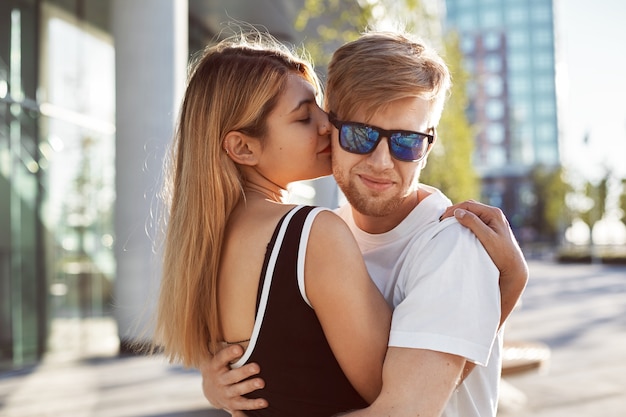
{"points": [[448, 296]]}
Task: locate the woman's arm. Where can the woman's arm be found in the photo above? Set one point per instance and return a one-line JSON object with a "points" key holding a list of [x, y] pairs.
{"points": [[354, 315]]}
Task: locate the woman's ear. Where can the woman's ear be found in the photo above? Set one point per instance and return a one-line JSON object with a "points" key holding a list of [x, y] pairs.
{"points": [[241, 148]]}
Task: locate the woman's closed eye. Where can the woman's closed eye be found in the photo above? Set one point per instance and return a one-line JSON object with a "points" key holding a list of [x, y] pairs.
{"points": [[306, 119]]}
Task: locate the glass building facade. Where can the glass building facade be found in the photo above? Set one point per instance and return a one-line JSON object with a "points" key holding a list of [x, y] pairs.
{"points": [[56, 179], [509, 48], [22, 310], [83, 125]]}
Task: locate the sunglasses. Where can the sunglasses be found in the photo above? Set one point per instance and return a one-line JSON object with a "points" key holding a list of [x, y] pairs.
{"points": [[361, 139]]}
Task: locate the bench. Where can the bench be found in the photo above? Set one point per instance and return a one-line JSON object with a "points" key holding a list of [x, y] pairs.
{"points": [[520, 357]]}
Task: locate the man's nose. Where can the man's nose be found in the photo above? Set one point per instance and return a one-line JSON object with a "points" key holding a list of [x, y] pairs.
{"points": [[381, 158]]}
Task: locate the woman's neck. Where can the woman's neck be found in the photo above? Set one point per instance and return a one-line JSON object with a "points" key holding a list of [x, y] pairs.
{"points": [[274, 194]]}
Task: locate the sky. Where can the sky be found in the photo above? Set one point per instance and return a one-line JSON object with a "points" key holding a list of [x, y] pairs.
{"points": [[591, 41]]}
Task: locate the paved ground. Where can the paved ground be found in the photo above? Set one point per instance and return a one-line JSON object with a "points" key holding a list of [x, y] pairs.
{"points": [[578, 310]]}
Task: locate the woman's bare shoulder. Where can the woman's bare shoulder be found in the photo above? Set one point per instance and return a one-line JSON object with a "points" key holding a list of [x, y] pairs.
{"points": [[328, 226]]}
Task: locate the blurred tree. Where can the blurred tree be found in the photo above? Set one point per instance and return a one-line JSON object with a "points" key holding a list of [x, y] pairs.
{"points": [[449, 165], [329, 24], [335, 22], [550, 215], [597, 193]]}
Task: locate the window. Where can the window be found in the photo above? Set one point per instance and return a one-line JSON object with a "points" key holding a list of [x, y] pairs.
{"points": [[545, 108], [491, 18], [491, 41], [493, 63], [516, 15], [519, 86], [494, 109], [519, 62], [467, 22], [541, 13], [542, 38], [544, 85], [496, 156], [546, 133], [495, 133], [521, 112], [546, 153], [543, 60], [494, 86], [467, 44], [518, 39], [78, 109]]}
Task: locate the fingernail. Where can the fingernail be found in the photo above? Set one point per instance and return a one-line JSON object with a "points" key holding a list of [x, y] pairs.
{"points": [[459, 213]]}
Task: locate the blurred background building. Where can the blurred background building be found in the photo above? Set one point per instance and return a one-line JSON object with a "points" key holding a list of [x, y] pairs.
{"points": [[89, 91], [509, 49]]}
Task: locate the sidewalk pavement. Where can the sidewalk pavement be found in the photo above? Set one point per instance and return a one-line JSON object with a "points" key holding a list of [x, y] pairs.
{"points": [[578, 310], [82, 376]]}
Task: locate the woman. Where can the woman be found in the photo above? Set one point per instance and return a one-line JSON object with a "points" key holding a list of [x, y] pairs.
{"points": [[286, 282]]}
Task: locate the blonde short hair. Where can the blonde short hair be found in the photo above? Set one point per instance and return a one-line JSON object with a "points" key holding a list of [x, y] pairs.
{"points": [[381, 67]]}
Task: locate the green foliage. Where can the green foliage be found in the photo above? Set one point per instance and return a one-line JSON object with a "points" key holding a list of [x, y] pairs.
{"points": [[549, 214], [334, 23], [449, 165], [597, 193]]}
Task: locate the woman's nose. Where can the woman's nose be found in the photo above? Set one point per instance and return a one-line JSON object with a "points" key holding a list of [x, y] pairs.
{"points": [[324, 128]]}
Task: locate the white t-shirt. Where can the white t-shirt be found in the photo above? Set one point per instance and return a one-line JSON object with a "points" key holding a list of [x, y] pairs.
{"points": [[444, 290]]}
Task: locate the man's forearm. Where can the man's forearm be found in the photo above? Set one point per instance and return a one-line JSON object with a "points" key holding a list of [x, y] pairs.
{"points": [[416, 382]]}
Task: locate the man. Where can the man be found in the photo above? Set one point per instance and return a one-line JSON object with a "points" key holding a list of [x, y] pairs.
{"points": [[385, 94]]}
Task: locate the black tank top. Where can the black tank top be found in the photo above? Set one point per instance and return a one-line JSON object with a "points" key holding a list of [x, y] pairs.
{"points": [[302, 377]]}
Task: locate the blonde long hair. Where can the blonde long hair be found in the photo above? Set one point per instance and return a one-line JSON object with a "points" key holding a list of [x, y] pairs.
{"points": [[233, 86]]}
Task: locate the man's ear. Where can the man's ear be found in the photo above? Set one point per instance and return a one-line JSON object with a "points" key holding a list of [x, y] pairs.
{"points": [[435, 136], [430, 148], [241, 148]]}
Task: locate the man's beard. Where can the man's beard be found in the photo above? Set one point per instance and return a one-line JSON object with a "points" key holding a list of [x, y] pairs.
{"points": [[374, 205]]}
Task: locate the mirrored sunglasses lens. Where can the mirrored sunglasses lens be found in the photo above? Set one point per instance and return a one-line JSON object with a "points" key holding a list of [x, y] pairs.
{"points": [[357, 139], [408, 147]]}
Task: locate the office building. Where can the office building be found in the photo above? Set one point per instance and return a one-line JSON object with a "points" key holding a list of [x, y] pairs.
{"points": [[509, 48]]}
